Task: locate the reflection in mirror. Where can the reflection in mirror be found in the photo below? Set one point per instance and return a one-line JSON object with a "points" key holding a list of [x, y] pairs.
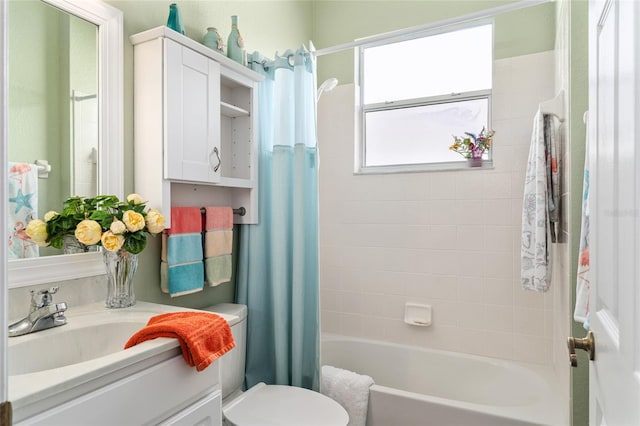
{"points": [[52, 116], [75, 26]]}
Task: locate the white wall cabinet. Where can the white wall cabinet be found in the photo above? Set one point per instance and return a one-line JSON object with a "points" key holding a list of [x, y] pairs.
{"points": [[195, 125]]}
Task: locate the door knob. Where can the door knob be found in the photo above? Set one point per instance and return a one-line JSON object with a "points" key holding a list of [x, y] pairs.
{"points": [[587, 344]]}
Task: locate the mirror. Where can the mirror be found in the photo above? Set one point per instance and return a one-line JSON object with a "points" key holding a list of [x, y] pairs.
{"points": [[53, 116], [64, 107]]}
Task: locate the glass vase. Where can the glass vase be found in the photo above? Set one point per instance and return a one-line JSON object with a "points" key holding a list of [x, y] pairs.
{"points": [[213, 40], [121, 266], [71, 245]]}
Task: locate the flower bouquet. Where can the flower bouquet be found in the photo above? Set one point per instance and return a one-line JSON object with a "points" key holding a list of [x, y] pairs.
{"points": [[103, 220], [472, 146], [120, 227]]}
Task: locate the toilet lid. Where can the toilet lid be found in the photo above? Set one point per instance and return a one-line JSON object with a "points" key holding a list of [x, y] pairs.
{"points": [[270, 405]]}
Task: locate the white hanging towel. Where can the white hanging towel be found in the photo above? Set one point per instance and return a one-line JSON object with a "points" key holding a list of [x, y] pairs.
{"points": [[23, 206], [581, 311], [536, 228]]}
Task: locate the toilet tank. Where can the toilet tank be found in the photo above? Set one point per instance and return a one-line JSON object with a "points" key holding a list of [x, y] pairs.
{"points": [[232, 363]]}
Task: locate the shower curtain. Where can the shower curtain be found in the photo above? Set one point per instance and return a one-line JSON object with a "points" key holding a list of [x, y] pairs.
{"points": [[278, 258]]}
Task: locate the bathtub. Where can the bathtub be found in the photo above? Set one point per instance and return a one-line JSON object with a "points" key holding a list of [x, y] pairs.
{"points": [[418, 386]]}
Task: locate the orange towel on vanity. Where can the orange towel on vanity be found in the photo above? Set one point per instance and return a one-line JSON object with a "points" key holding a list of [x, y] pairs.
{"points": [[203, 336]]}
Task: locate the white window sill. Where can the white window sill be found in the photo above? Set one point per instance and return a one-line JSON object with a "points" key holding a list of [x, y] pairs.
{"points": [[419, 168]]}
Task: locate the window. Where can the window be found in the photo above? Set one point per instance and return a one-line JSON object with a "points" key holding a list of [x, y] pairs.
{"points": [[416, 93]]}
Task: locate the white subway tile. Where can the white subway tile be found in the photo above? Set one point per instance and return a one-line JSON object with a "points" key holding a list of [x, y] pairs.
{"points": [[499, 318], [498, 291], [497, 238], [470, 289], [469, 237], [529, 321], [498, 345]]}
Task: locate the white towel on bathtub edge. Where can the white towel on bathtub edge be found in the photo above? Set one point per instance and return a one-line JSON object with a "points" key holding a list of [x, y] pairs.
{"points": [[349, 389]]}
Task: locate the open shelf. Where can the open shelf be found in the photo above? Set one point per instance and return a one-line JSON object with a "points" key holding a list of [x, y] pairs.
{"points": [[232, 111]]}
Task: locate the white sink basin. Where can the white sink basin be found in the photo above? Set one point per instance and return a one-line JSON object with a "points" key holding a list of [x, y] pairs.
{"points": [[55, 365], [62, 346]]}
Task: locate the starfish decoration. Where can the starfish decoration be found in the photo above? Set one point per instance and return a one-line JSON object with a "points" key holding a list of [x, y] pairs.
{"points": [[21, 200]]}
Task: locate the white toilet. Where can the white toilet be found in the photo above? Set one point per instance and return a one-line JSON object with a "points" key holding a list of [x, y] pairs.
{"points": [[267, 405]]}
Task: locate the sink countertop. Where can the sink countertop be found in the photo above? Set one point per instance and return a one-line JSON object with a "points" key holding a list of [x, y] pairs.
{"points": [[35, 392]]}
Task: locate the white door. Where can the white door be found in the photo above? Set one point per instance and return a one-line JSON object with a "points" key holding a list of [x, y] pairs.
{"points": [[614, 132]]}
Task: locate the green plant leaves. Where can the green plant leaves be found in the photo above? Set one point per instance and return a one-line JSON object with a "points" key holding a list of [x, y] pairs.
{"points": [[104, 209]]}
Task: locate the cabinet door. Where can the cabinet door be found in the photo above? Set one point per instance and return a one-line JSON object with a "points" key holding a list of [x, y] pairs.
{"points": [[192, 113], [206, 412]]}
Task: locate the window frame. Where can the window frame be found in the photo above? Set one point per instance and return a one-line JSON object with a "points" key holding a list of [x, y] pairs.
{"points": [[363, 109]]}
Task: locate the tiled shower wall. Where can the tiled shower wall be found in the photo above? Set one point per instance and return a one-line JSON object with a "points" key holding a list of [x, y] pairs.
{"points": [[449, 239]]}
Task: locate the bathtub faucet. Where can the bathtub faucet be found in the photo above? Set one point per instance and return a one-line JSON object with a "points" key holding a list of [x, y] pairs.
{"points": [[43, 314]]}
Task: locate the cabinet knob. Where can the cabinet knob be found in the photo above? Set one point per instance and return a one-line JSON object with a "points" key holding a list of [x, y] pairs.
{"points": [[217, 153]]}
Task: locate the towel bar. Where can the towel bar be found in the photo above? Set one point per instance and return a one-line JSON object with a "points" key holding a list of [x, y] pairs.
{"points": [[239, 211]]}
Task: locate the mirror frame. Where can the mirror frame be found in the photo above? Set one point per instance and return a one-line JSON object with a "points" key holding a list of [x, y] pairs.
{"points": [[47, 269]]}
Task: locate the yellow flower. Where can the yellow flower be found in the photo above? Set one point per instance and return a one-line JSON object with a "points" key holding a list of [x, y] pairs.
{"points": [[133, 220], [155, 221], [111, 241], [50, 215], [42, 244], [37, 231], [117, 227], [134, 198], [88, 232]]}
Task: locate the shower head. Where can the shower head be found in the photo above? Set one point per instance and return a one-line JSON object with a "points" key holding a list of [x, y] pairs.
{"points": [[327, 86]]}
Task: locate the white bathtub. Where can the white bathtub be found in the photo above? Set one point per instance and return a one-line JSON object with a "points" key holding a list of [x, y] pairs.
{"points": [[417, 386]]}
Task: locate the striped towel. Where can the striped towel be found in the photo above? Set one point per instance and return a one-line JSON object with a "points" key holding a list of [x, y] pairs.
{"points": [[218, 243], [182, 269]]}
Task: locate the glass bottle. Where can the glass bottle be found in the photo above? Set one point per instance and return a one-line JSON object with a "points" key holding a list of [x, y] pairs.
{"points": [[235, 43], [175, 21], [213, 40]]}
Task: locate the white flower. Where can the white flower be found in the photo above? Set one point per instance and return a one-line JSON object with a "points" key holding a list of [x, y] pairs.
{"points": [[37, 231], [117, 227], [88, 232], [50, 215], [133, 220], [155, 221], [134, 198], [112, 242]]}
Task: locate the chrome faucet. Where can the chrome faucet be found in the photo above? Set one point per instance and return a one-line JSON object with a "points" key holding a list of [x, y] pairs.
{"points": [[43, 314]]}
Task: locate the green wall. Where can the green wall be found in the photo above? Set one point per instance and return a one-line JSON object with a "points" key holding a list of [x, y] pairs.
{"points": [[335, 22], [579, 103]]}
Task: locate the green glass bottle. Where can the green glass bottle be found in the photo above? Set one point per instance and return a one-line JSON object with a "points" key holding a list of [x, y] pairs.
{"points": [[175, 21], [235, 43]]}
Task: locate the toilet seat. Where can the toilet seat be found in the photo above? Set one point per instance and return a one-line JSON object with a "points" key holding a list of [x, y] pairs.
{"points": [[271, 405]]}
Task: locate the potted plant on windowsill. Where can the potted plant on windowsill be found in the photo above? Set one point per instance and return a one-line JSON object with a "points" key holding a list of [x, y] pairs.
{"points": [[473, 147]]}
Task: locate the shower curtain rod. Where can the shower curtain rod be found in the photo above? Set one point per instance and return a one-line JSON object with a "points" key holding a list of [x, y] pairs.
{"points": [[450, 21]]}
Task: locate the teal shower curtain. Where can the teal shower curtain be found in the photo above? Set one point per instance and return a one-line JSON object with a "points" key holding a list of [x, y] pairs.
{"points": [[278, 258]]}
